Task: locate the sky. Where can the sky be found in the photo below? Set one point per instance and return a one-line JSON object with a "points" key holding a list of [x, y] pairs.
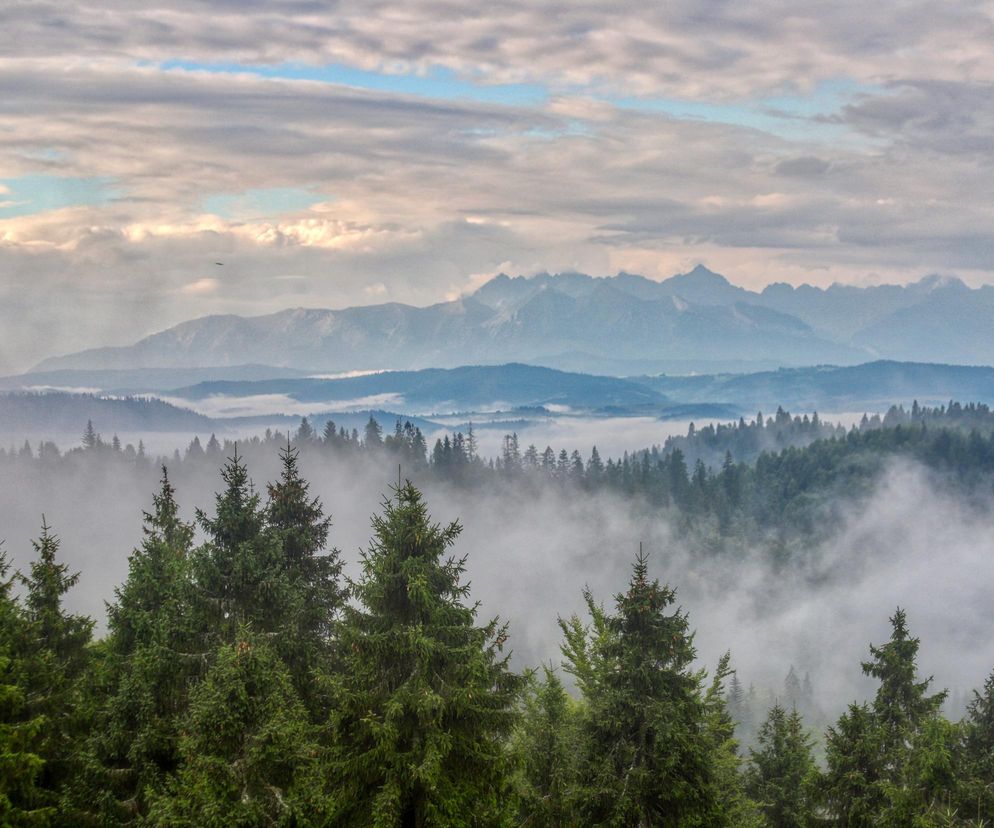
{"points": [[169, 159]]}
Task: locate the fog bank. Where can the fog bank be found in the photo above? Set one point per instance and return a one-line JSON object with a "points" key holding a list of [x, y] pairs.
{"points": [[910, 543]]}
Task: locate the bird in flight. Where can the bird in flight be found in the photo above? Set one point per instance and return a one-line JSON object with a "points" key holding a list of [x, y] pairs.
{"points": [[219, 264]]}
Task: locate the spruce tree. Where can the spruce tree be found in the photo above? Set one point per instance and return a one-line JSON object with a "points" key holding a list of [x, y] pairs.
{"points": [[152, 657], [782, 771], [902, 704], [90, 437], [792, 690], [55, 658], [238, 573], [299, 525], [425, 701], [644, 759], [905, 716], [738, 708], [305, 432], [875, 754], [21, 800], [926, 793], [373, 434]]}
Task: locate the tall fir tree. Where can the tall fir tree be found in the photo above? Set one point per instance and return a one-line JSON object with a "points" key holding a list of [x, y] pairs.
{"points": [[875, 773], [152, 658], [90, 437], [425, 701], [644, 758], [238, 573], [372, 434], [902, 704], [22, 802], [852, 786], [56, 658], [301, 529]]}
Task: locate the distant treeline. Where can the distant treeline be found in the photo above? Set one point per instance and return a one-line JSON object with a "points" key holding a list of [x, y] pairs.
{"points": [[782, 480], [244, 682]]}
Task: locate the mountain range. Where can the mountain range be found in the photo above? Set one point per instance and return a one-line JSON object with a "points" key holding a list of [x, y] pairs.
{"points": [[696, 321], [873, 386], [869, 387]]}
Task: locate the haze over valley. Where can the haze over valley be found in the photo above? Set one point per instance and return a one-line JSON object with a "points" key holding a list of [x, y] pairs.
{"points": [[435, 415]]}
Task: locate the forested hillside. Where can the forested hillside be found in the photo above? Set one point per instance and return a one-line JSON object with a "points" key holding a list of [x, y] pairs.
{"points": [[778, 474], [242, 680]]}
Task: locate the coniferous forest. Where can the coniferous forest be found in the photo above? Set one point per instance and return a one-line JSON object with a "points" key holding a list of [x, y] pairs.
{"points": [[242, 678], [445, 414]]}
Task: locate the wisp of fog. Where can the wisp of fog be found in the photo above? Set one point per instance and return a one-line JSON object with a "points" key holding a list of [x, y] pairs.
{"points": [[911, 543]]}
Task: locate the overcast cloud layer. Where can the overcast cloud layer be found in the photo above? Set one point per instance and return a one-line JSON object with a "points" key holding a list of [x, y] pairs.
{"points": [[334, 154]]}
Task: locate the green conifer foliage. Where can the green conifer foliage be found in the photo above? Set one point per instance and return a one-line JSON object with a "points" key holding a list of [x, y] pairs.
{"points": [[55, 657], [151, 659], [884, 760], [902, 704], [238, 574], [300, 527], [735, 807], [545, 744], [976, 753], [852, 784], [782, 771], [21, 801], [646, 758], [249, 755], [925, 794], [425, 700]]}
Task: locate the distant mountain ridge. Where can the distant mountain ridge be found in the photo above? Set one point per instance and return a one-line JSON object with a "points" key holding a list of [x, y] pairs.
{"points": [[515, 394], [873, 386], [571, 320], [445, 390]]}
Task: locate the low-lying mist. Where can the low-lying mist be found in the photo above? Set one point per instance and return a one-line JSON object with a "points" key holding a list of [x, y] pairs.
{"points": [[912, 543]]}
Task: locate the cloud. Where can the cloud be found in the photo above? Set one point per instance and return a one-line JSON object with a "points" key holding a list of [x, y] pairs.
{"points": [[802, 166], [732, 50], [770, 143], [201, 287]]}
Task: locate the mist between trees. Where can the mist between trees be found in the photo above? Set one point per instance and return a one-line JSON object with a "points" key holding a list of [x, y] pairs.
{"points": [[793, 562]]}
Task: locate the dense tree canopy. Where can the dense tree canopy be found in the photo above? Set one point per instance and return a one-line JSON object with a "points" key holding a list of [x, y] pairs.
{"points": [[243, 680]]}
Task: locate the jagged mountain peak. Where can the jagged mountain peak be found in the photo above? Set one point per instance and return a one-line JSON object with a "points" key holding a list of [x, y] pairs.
{"points": [[938, 281], [698, 315]]}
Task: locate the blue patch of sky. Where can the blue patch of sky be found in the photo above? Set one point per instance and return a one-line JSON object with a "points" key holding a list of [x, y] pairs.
{"points": [[258, 202], [30, 194], [801, 116], [438, 82], [797, 116]]}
